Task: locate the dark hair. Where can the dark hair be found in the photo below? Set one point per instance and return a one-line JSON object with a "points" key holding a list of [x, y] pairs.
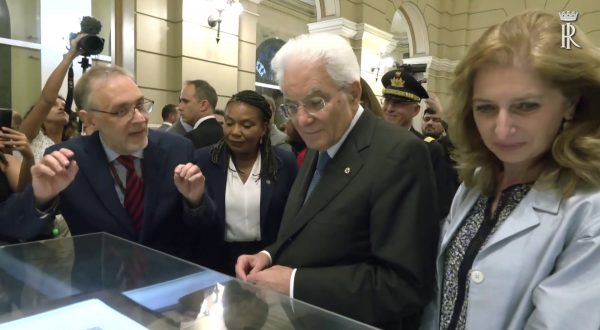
{"points": [[204, 91], [167, 110], [369, 100], [429, 111], [256, 100]]}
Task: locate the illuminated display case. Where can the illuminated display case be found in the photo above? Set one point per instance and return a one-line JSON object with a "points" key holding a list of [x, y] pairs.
{"points": [[104, 282]]}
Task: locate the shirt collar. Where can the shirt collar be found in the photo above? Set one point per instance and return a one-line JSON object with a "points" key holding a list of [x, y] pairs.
{"points": [[113, 155], [201, 120], [187, 127], [331, 151]]}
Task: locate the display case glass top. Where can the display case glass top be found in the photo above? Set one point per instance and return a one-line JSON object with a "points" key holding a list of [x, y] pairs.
{"points": [[100, 281]]}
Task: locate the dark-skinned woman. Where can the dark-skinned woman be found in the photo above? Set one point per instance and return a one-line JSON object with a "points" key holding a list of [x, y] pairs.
{"points": [[247, 182]]}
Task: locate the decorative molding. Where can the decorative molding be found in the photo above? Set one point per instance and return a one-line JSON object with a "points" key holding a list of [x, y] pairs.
{"points": [[444, 64], [433, 63], [340, 26], [294, 8], [363, 28], [19, 43]]}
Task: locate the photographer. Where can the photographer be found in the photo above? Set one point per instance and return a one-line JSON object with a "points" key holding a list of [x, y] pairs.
{"points": [[47, 122]]}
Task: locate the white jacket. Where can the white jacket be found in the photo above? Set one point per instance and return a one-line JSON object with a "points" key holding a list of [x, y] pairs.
{"points": [[539, 270]]}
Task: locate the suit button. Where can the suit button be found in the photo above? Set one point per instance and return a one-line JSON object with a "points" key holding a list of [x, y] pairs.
{"points": [[477, 276]]}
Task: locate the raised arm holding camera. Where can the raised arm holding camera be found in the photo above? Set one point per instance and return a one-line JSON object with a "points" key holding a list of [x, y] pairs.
{"points": [[45, 123]]}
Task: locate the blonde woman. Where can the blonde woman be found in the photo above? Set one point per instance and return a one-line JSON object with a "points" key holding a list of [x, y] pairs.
{"points": [[521, 245]]}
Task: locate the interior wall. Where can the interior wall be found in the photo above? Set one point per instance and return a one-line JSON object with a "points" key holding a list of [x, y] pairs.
{"points": [[158, 54], [278, 22], [454, 25]]}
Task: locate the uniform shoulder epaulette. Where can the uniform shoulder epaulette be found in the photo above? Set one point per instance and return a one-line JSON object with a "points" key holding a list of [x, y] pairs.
{"points": [[428, 139]]}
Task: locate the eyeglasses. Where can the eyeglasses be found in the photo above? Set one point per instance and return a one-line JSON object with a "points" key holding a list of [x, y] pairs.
{"points": [[311, 106], [144, 107]]}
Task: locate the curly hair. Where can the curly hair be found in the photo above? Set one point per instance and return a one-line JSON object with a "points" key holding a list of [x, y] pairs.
{"points": [[532, 38], [257, 101]]}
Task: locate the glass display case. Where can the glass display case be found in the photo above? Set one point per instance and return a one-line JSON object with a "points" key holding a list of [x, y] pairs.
{"points": [[104, 282]]}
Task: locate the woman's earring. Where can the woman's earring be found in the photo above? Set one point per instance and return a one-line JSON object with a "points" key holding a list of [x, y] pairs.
{"points": [[565, 124]]}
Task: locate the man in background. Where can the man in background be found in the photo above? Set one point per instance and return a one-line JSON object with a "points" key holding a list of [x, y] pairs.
{"points": [[170, 115], [402, 94], [197, 102]]}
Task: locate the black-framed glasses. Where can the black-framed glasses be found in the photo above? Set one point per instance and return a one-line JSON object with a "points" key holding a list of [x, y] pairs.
{"points": [[311, 106], [145, 106]]}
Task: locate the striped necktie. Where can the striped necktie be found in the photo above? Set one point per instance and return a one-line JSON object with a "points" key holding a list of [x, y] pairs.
{"points": [[134, 192]]}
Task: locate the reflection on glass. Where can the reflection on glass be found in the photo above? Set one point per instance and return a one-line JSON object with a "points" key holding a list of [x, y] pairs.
{"points": [[116, 284]]}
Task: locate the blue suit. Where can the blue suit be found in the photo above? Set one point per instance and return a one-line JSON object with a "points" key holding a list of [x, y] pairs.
{"points": [[18, 218], [90, 203], [273, 197]]}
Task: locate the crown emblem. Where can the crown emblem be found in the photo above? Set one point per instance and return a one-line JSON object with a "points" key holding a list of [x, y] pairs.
{"points": [[397, 81], [568, 16]]}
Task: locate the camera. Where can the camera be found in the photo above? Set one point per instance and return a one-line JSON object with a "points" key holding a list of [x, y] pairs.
{"points": [[90, 44]]}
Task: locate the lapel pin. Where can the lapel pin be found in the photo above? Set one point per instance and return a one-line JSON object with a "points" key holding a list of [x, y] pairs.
{"points": [[268, 181], [347, 170]]}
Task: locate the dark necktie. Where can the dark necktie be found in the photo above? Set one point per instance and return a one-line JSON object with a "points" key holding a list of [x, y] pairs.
{"points": [[134, 192], [321, 163]]}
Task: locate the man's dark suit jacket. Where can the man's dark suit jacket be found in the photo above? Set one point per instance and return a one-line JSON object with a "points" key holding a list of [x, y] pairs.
{"points": [[445, 175], [177, 128], [207, 133], [273, 196], [365, 241], [90, 203], [18, 219]]}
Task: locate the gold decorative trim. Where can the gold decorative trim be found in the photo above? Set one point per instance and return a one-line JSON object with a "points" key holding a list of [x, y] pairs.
{"points": [[396, 92]]}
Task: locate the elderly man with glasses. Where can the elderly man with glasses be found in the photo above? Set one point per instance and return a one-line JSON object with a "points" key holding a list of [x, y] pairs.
{"points": [[123, 179], [359, 231]]}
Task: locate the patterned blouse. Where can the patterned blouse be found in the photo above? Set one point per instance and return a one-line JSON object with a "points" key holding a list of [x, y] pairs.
{"points": [[39, 145], [479, 226]]}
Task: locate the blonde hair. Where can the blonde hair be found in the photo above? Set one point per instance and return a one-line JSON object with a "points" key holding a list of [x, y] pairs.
{"points": [[532, 38]]}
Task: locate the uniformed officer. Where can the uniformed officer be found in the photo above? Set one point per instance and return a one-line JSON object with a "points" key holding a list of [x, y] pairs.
{"points": [[402, 94]]}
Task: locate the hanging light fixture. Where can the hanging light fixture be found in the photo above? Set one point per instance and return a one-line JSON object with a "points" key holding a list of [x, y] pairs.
{"points": [[233, 8], [383, 62]]}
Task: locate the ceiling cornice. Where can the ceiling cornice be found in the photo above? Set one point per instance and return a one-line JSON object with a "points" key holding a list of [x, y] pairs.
{"points": [[296, 8]]}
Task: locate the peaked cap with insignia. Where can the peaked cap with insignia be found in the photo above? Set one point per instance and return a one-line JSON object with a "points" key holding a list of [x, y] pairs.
{"points": [[402, 86]]}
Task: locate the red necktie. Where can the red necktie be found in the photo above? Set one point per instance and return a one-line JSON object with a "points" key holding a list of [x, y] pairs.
{"points": [[134, 192]]}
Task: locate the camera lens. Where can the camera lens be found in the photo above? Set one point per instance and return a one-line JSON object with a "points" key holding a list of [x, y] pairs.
{"points": [[91, 45]]}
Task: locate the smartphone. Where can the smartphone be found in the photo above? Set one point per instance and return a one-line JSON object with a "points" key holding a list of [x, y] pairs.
{"points": [[5, 118]]}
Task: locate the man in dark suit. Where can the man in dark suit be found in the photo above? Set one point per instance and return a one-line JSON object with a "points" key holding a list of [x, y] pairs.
{"points": [[180, 127], [170, 116], [402, 94], [359, 231], [123, 179], [197, 104]]}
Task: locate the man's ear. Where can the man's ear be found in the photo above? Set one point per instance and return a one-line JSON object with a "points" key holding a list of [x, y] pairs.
{"points": [[355, 91], [85, 117], [416, 110]]}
